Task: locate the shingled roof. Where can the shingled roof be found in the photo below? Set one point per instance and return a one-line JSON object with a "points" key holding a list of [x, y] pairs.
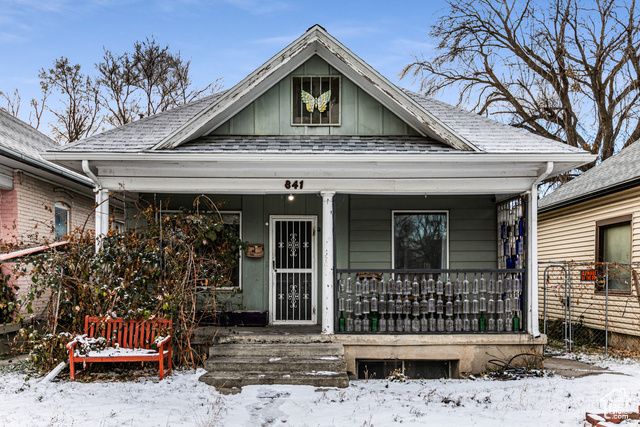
{"points": [[22, 142], [488, 135], [617, 173]]}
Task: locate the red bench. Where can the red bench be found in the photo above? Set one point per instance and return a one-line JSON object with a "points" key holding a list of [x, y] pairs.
{"points": [[126, 341]]}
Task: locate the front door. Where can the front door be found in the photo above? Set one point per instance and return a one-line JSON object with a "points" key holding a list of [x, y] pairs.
{"points": [[292, 290]]}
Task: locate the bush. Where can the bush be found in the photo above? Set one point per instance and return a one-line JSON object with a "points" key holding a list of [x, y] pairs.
{"points": [[7, 300], [159, 271]]}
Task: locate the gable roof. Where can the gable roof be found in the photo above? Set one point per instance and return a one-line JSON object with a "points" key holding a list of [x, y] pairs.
{"points": [[617, 173], [487, 135], [25, 144], [315, 41]]}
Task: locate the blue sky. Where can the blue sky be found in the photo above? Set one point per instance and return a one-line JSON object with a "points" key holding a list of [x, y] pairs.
{"points": [[225, 39]]}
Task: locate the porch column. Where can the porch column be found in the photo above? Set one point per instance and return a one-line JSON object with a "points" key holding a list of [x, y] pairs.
{"points": [[101, 216], [327, 262]]}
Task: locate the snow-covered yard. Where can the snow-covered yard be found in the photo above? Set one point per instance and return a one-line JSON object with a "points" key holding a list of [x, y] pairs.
{"points": [[180, 400]]}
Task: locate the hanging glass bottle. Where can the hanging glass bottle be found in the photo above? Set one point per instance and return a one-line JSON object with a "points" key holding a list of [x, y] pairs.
{"points": [[358, 324], [358, 307], [358, 286], [350, 324]]}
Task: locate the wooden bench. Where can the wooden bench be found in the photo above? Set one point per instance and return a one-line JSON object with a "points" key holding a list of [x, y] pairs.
{"points": [[126, 341]]}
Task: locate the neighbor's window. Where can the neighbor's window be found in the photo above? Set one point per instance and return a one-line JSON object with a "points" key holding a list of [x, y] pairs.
{"points": [[613, 245], [420, 240], [61, 220], [316, 100]]}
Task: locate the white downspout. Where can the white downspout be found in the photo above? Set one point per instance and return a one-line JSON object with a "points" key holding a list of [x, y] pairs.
{"points": [[532, 289], [102, 206]]}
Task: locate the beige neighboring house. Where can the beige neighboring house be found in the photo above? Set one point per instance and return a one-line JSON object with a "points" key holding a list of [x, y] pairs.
{"points": [[592, 222], [40, 202]]}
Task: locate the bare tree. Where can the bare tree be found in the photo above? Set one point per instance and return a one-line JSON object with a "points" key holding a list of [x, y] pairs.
{"points": [[13, 106], [163, 77], [154, 64], [80, 99], [561, 69], [38, 106], [12, 102], [118, 82]]}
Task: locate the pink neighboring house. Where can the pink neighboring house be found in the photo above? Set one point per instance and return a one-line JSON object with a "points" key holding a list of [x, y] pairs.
{"points": [[40, 202]]}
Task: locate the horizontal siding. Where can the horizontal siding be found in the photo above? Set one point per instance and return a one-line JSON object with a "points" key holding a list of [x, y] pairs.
{"points": [[569, 235], [472, 229]]}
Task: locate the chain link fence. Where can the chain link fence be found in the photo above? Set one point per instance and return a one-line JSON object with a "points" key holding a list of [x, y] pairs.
{"points": [[589, 305]]}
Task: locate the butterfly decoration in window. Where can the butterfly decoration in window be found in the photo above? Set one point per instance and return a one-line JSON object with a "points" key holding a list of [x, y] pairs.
{"points": [[321, 102]]}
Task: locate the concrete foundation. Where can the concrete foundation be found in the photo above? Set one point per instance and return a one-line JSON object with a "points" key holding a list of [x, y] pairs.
{"points": [[470, 353]]}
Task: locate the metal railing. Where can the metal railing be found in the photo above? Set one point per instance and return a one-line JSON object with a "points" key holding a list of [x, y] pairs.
{"points": [[445, 301]]}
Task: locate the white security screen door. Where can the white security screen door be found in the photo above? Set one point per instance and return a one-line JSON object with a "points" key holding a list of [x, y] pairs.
{"points": [[293, 270]]}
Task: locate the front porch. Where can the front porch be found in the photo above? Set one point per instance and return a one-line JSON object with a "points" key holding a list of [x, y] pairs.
{"points": [[279, 347]]}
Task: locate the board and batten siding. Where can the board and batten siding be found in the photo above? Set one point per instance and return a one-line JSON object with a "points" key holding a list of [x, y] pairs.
{"points": [[472, 229], [270, 114], [569, 234]]}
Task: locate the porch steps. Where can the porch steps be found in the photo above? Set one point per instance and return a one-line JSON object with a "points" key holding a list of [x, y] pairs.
{"points": [[281, 359]]}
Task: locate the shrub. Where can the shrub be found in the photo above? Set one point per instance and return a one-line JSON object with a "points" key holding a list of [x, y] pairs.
{"points": [[158, 271]]}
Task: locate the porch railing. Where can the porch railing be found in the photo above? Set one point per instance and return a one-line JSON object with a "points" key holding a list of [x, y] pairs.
{"points": [[429, 301]]}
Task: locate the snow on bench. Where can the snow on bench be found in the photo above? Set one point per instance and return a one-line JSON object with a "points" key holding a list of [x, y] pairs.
{"points": [[117, 340]]}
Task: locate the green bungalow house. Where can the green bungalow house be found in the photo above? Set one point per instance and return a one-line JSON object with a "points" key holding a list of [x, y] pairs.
{"points": [[403, 228]]}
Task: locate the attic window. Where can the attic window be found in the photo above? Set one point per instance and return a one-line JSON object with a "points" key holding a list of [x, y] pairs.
{"points": [[316, 100]]}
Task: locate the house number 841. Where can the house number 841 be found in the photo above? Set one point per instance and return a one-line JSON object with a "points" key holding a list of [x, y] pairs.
{"points": [[297, 185]]}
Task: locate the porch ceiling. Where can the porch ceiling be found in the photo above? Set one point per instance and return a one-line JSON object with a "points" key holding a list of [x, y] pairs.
{"points": [[368, 173]]}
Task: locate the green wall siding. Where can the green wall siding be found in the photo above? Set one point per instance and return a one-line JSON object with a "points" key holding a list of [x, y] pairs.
{"points": [[472, 229], [363, 232], [270, 114]]}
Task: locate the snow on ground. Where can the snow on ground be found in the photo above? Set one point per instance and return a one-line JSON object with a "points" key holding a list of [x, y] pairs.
{"points": [[181, 400]]}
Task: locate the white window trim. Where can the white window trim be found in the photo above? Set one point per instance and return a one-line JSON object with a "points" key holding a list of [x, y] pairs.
{"points": [[415, 211], [240, 259]]}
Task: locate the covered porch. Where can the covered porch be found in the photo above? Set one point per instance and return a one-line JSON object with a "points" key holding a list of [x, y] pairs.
{"points": [[389, 264]]}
